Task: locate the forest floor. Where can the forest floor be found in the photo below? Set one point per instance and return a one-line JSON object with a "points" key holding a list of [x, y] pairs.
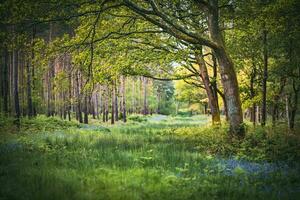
{"points": [[155, 157]]}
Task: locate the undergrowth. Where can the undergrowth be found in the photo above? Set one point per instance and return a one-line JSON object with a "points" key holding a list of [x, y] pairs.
{"points": [[161, 158]]}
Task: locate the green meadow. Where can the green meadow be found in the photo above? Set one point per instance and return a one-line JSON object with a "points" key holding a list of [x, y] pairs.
{"points": [[155, 157]]}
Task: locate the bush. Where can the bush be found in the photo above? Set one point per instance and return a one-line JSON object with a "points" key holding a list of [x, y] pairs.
{"points": [[40, 123], [137, 118], [259, 144]]}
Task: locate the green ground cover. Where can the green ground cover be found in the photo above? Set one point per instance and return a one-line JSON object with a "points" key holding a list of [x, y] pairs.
{"points": [[155, 157]]}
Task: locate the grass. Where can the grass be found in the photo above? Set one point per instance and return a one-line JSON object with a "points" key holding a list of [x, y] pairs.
{"points": [[155, 158]]}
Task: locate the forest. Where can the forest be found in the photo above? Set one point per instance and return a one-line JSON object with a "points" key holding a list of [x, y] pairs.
{"points": [[149, 99]]}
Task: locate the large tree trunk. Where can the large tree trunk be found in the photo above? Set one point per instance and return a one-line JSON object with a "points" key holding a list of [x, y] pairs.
{"points": [[16, 87], [212, 100], [264, 82], [228, 75]]}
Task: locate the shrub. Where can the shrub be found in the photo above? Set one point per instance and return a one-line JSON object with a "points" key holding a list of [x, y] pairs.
{"points": [[137, 118]]}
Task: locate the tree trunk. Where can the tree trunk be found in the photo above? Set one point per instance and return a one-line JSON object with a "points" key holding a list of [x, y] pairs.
{"points": [[252, 95], [212, 99], [294, 106], [97, 105], [124, 99], [214, 81], [79, 113], [287, 110], [116, 102], [133, 97], [51, 73], [145, 107], [16, 87], [276, 102], [70, 87], [86, 112], [264, 82], [29, 95], [106, 104], [32, 68], [5, 81], [227, 71], [113, 104]]}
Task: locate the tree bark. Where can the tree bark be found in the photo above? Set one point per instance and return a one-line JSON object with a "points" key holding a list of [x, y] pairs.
{"points": [[113, 104], [287, 110], [33, 69], [227, 71], [97, 105], [5, 81], [116, 102], [252, 95], [294, 106], [29, 95], [79, 113], [51, 74], [86, 112], [133, 106], [124, 99], [145, 107], [264, 81], [212, 100], [16, 87], [276, 102]]}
